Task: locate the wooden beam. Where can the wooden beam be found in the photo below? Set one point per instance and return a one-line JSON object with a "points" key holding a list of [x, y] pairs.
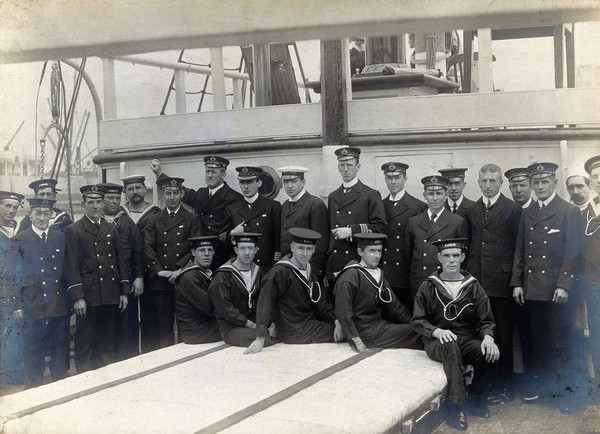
{"points": [[333, 94], [42, 30], [521, 33], [261, 66], [559, 58], [218, 78], [180, 96], [109, 89], [468, 62], [484, 61]]}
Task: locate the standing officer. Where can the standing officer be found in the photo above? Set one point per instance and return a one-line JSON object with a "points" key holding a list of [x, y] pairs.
{"points": [[354, 208], [494, 224], [46, 189], [545, 271], [303, 210], [194, 310], [166, 243], [456, 201], [399, 207], [11, 346], [38, 254], [127, 330], [210, 203], [436, 223], [258, 214], [97, 283], [591, 271], [519, 186]]}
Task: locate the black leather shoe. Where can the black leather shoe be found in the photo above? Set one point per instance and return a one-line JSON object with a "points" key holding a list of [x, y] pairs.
{"points": [[497, 399], [478, 408], [457, 420]]}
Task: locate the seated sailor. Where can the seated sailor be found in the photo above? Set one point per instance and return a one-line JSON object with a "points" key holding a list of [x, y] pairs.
{"points": [[291, 295], [370, 313], [452, 313], [194, 309], [234, 292]]}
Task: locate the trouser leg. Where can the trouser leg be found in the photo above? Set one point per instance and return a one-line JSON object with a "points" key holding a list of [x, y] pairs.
{"points": [[34, 334], [59, 344], [502, 309], [314, 332], [104, 335], [450, 356], [388, 335]]}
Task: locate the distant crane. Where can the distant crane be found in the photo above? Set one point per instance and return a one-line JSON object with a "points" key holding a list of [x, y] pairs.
{"points": [[7, 147]]}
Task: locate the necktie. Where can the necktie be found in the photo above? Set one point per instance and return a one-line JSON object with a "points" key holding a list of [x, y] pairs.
{"points": [[488, 204], [542, 206], [210, 193], [171, 214], [454, 208], [433, 217], [97, 224], [44, 237]]}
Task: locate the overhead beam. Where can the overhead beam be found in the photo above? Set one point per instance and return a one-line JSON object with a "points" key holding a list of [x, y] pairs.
{"points": [[34, 31]]}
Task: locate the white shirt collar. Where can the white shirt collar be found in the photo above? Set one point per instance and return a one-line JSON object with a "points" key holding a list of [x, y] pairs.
{"points": [[214, 190], [93, 222], [39, 232], [398, 195], [492, 199], [429, 213], [251, 199], [350, 184], [526, 204], [298, 196], [176, 211], [547, 201], [458, 202]]}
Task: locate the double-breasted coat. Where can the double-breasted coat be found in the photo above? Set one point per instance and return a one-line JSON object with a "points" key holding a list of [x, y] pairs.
{"points": [[492, 245], [308, 212], [420, 253], [393, 261], [166, 243], [263, 217], [95, 265], [464, 207], [360, 209], [548, 250]]}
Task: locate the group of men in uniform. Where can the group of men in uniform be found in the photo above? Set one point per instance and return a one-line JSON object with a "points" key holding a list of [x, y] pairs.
{"points": [[251, 271]]}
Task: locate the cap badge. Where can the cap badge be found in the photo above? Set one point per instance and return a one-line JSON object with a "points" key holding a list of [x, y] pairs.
{"points": [[213, 159], [245, 170], [392, 167], [434, 180], [173, 182], [94, 188], [344, 152], [45, 202], [540, 168]]}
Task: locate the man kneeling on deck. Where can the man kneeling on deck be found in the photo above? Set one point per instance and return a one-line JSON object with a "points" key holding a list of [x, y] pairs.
{"points": [[370, 313], [234, 291], [453, 313], [292, 293], [194, 311]]}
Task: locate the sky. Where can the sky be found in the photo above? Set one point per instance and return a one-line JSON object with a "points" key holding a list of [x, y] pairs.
{"points": [[520, 65]]}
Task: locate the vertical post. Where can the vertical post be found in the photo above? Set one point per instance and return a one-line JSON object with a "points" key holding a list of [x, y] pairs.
{"points": [[218, 78], [180, 99], [238, 101], [484, 62], [261, 65], [334, 112], [570, 54], [110, 88], [559, 58], [347, 73], [468, 61]]}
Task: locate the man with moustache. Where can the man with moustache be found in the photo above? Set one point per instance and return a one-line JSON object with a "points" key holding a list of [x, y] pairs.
{"points": [[399, 207], [127, 329], [194, 310], [354, 208], [303, 210], [97, 281], [210, 203], [46, 189], [11, 347], [456, 202], [436, 223], [42, 301], [545, 271], [166, 243], [136, 206], [519, 186], [494, 224], [258, 214], [578, 187], [291, 295]]}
